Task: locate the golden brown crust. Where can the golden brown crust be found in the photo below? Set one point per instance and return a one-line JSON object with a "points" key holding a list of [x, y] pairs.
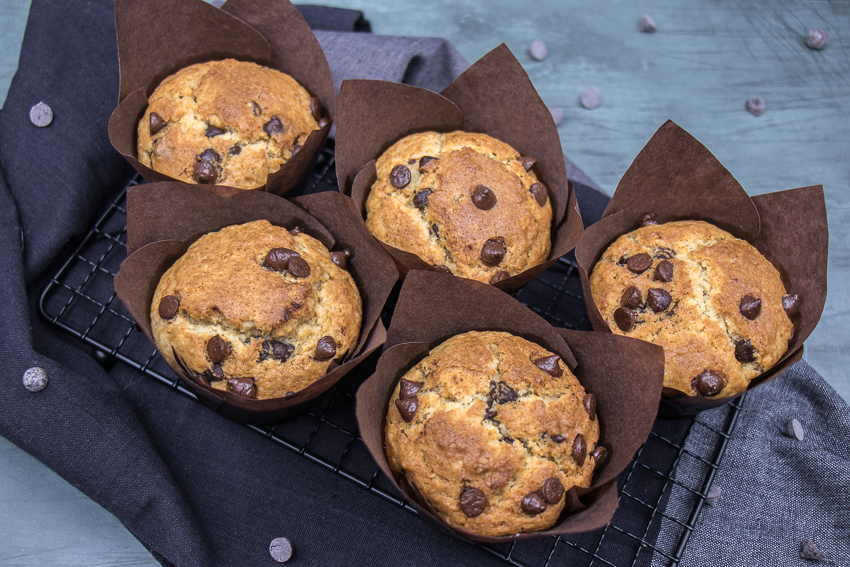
{"points": [[450, 445], [450, 230], [712, 272], [237, 97], [224, 290]]}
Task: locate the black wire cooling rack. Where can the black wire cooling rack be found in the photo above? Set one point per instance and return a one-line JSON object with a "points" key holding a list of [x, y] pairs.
{"points": [[661, 493]]}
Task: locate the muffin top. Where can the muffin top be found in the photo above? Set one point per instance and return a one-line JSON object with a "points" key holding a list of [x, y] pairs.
{"points": [[465, 203], [257, 310], [711, 300], [493, 429], [225, 123]]}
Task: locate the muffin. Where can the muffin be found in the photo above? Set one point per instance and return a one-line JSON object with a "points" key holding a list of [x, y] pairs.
{"points": [[493, 430], [464, 203], [712, 301], [256, 310], [226, 122]]}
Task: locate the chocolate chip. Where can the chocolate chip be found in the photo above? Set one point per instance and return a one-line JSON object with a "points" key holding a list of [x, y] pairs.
{"points": [[340, 258], [552, 490], [280, 549], [639, 263], [533, 504], [591, 98], [625, 319], [280, 351], [217, 349], [210, 156], [213, 131], [549, 365], [708, 383], [443, 269], [483, 198], [631, 298], [744, 351], [295, 230], [244, 387], [41, 115], [647, 24], [527, 162], [499, 276], [794, 430], [756, 106], [407, 408], [299, 267], [168, 306], [256, 108], [538, 50], [540, 193], [315, 108], [235, 150], [296, 148], [420, 200], [817, 39], [424, 161], [323, 122], [658, 300], [205, 172], [278, 258], [490, 414], [579, 449], [289, 395], [273, 126], [750, 306], [664, 271], [501, 393], [713, 494], [791, 304], [435, 230], [325, 348], [590, 406], [157, 123], [808, 550], [599, 455], [558, 438], [472, 502], [409, 388], [648, 220], [400, 176], [35, 379], [492, 253]]}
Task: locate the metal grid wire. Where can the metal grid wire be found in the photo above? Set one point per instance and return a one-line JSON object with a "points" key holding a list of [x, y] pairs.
{"points": [[662, 492]]}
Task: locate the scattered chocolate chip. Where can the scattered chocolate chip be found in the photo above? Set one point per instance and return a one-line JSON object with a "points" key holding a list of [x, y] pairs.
{"points": [[744, 351], [817, 39], [299, 267], [278, 258], [492, 253], [35, 379], [664, 271], [557, 114], [708, 383], [590, 406], [483, 198], [425, 160], [280, 351], [400, 176], [625, 318], [244, 387], [315, 108], [808, 550], [213, 131], [472, 502], [713, 494], [750, 306], [538, 50], [273, 126], [280, 549], [579, 449], [647, 24], [295, 230], [501, 393], [540, 193], [658, 300], [791, 303], [558, 438], [499, 276], [420, 200], [648, 220], [205, 172], [591, 98], [533, 504], [157, 123], [599, 455], [340, 257], [210, 156], [217, 349], [407, 408], [409, 388], [235, 150], [549, 365], [325, 348], [631, 298], [639, 263], [323, 122], [552, 490], [527, 162], [756, 106], [256, 108], [442, 268], [168, 307], [794, 430]]}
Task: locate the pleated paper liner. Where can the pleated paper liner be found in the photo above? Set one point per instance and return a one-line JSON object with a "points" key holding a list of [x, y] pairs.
{"points": [[675, 177], [495, 97], [624, 374], [166, 218], [157, 38]]}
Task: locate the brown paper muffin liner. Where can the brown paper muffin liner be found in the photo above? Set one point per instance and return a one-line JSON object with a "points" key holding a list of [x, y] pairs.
{"points": [[625, 374], [156, 38], [675, 177], [164, 219], [495, 97]]}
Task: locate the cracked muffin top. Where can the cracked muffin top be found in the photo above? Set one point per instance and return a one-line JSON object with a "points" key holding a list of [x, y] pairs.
{"points": [[712, 301], [465, 203], [226, 123], [257, 310], [493, 430]]}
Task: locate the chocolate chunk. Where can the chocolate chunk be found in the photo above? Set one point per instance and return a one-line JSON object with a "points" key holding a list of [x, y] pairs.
{"points": [[424, 161], [278, 258], [744, 351], [591, 98], [435, 230], [589, 402], [409, 388], [280, 350], [168, 306], [599, 455], [817, 39], [273, 126], [658, 300], [639, 263], [323, 122], [472, 502], [299, 267], [210, 156], [558, 438], [713, 494], [443, 269], [407, 408], [499, 276], [315, 108], [289, 395], [295, 230], [527, 162], [483, 198], [750, 306], [340, 257], [625, 319], [256, 108], [552, 490], [217, 349], [157, 123], [540, 193], [501, 393], [708, 383], [213, 131], [235, 150], [631, 298], [244, 387], [325, 348], [647, 24], [794, 430], [579, 449], [205, 172], [490, 414], [791, 304], [808, 550], [492, 253], [217, 372], [756, 106], [420, 200], [549, 365], [400, 176], [664, 271], [533, 504]]}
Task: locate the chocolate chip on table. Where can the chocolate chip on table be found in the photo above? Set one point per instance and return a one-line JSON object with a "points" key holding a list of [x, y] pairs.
{"points": [[647, 24], [213, 131], [256, 108], [400, 176], [591, 98], [492, 253], [409, 388], [299, 267], [579, 451], [791, 303], [708, 383], [552, 490], [244, 387], [744, 351], [527, 162], [278, 258], [557, 114], [420, 199], [533, 504], [315, 108], [273, 126], [599, 455], [658, 300], [750, 306], [205, 172], [218, 349], [280, 549], [501, 393], [808, 550], [325, 348], [639, 263], [157, 123], [648, 220], [713, 495], [499, 276], [472, 502], [549, 365], [538, 50], [323, 122], [589, 402], [35, 379], [483, 198], [631, 298], [540, 193], [443, 269], [817, 39], [794, 430], [756, 106], [664, 271], [168, 306], [624, 318], [425, 160], [340, 257], [407, 408]]}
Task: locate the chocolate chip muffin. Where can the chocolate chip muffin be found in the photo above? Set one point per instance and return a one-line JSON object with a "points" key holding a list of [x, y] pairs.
{"points": [[257, 310], [493, 430], [712, 301], [226, 122], [465, 203]]}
